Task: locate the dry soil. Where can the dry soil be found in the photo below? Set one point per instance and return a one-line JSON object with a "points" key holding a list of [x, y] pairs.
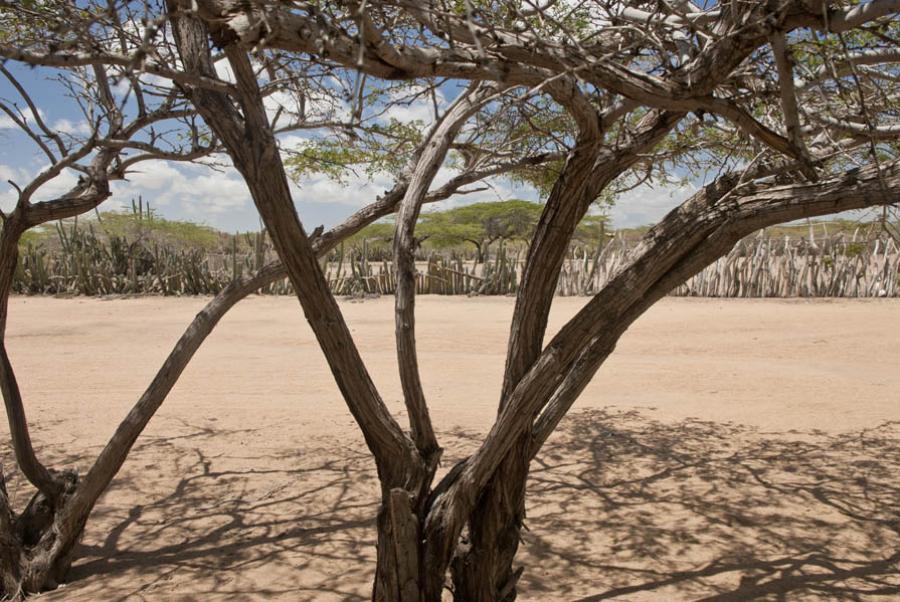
{"points": [[729, 450]]}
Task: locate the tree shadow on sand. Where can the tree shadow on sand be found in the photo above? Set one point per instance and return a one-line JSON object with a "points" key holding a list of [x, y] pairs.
{"points": [[224, 513], [698, 510], [621, 506]]}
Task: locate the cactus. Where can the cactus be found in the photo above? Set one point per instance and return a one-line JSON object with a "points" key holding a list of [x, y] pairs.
{"points": [[83, 260]]}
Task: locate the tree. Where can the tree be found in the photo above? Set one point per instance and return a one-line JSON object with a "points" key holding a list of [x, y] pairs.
{"points": [[134, 116], [592, 231], [37, 543], [480, 224], [785, 95]]}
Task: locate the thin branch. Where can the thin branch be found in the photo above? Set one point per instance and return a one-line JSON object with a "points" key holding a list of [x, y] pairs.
{"points": [[36, 115], [423, 170], [83, 59], [784, 63]]}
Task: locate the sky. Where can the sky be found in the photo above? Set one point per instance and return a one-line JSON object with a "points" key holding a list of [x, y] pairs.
{"points": [[218, 197]]}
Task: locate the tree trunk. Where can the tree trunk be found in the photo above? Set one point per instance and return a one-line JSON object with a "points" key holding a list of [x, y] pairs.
{"points": [[483, 567], [36, 546], [248, 138], [397, 576], [479, 252], [10, 547]]}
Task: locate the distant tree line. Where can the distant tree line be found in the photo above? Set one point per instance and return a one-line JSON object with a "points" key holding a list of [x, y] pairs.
{"points": [[477, 227]]}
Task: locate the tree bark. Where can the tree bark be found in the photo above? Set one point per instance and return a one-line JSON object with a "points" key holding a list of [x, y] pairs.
{"points": [[483, 570], [423, 170], [415, 534], [10, 548], [689, 238], [79, 504], [249, 140]]}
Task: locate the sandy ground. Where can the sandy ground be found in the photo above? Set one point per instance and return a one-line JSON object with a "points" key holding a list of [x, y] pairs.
{"points": [[730, 450]]}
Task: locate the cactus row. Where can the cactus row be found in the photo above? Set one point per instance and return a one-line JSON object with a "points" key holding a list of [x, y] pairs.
{"points": [[87, 263]]}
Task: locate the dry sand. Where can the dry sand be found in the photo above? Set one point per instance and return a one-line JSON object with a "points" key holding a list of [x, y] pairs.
{"points": [[729, 450]]}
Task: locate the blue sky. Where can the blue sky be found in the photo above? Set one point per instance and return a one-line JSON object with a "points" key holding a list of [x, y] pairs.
{"points": [[219, 197]]}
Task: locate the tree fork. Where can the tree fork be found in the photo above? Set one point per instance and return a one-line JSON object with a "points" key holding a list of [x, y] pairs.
{"points": [[484, 568], [249, 140]]}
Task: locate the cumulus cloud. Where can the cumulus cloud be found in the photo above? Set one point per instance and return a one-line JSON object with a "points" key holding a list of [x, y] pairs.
{"points": [[221, 199], [64, 126], [421, 109], [186, 190], [22, 176], [417, 111], [8, 194], [7, 123], [356, 192], [646, 204], [493, 189]]}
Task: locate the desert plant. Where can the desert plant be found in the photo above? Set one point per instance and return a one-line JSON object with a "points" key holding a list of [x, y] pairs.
{"points": [[421, 525], [633, 91]]}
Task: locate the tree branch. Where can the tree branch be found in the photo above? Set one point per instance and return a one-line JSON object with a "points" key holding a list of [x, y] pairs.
{"points": [[689, 238], [784, 63], [83, 59], [423, 170], [723, 215], [251, 144]]}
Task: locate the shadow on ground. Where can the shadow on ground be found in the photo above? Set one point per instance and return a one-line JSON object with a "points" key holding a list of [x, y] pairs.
{"points": [[621, 506], [706, 511]]}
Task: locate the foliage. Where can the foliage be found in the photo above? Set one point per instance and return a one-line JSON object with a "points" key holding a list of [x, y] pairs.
{"points": [[373, 150], [592, 230], [480, 223], [176, 232]]}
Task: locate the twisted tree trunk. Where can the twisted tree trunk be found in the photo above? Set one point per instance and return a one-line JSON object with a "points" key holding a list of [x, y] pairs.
{"points": [[36, 545], [483, 569], [404, 472]]}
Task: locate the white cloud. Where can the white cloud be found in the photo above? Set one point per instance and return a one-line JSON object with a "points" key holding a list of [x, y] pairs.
{"points": [[7, 123], [194, 190], [8, 194], [354, 193], [293, 141], [495, 189], [642, 206], [16, 174], [417, 111], [22, 177], [421, 109], [64, 126], [646, 204]]}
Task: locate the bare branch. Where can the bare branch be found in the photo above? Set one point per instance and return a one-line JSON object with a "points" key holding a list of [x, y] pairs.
{"points": [[36, 115], [784, 62], [423, 171], [83, 59]]}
